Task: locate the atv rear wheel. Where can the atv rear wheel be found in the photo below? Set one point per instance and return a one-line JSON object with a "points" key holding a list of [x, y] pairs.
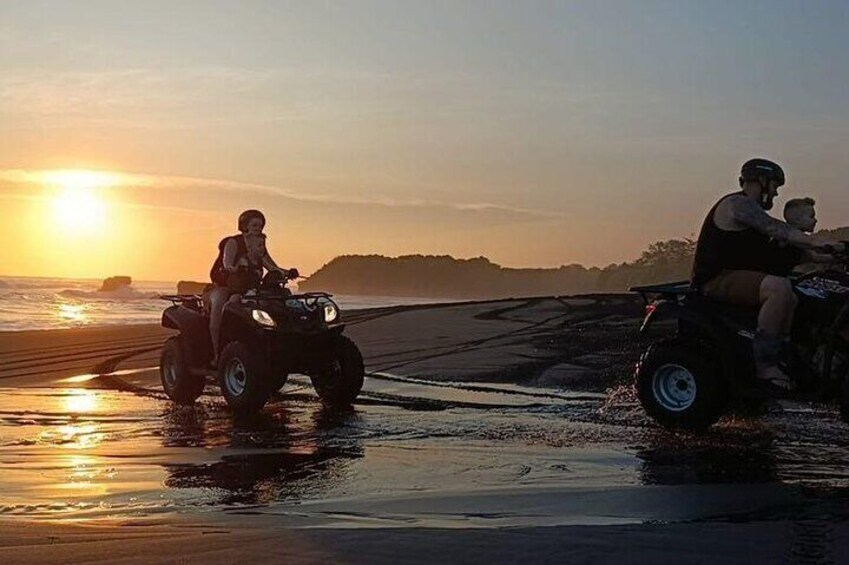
{"points": [[180, 384], [679, 387], [243, 378], [339, 379], [844, 398]]}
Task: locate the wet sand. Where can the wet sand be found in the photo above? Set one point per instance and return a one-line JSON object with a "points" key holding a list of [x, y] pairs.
{"points": [[487, 432]]}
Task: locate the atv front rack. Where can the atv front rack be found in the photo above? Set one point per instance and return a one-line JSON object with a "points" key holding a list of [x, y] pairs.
{"points": [[190, 301], [277, 296], [180, 298]]}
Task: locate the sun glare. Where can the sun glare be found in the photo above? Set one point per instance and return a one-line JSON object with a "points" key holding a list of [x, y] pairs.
{"points": [[77, 205]]}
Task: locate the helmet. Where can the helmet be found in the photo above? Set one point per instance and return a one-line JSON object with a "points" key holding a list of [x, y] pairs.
{"points": [[247, 216], [753, 169]]}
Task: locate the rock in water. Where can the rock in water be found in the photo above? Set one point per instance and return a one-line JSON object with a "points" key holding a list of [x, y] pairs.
{"points": [[191, 287], [114, 283]]}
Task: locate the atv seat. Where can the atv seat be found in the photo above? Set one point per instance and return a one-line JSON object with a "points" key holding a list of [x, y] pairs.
{"points": [[672, 290]]}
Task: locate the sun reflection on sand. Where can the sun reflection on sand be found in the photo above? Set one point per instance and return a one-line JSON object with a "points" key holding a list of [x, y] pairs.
{"points": [[73, 436], [84, 475], [81, 436], [81, 401]]}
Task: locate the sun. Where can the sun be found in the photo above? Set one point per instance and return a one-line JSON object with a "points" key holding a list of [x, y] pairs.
{"points": [[78, 206], [79, 209]]}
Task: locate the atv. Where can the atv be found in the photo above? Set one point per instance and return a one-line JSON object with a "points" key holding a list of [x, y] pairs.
{"points": [[704, 367], [266, 334]]}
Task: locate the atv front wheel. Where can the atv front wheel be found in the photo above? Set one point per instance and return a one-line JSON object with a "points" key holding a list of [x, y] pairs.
{"points": [[243, 378], [180, 384], [844, 398], [679, 387], [339, 379]]}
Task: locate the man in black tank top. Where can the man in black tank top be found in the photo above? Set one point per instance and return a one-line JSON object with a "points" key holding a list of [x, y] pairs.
{"points": [[733, 262]]}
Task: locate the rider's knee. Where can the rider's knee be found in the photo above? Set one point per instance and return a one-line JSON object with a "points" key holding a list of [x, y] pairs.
{"points": [[779, 289], [793, 300]]}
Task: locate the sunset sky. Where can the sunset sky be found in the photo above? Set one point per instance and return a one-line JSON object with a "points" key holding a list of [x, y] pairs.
{"points": [[537, 134]]}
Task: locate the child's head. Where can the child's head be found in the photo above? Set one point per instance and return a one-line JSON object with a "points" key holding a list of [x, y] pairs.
{"points": [[800, 213]]}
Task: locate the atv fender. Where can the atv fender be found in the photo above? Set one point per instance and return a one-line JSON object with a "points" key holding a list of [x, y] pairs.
{"points": [[671, 310], [237, 325], [194, 328]]}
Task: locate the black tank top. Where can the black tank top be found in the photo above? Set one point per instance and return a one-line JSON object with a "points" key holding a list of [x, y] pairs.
{"points": [[718, 250]]}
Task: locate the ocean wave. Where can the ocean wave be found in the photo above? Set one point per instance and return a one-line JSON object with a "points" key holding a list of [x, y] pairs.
{"points": [[123, 293], [46, 285]]}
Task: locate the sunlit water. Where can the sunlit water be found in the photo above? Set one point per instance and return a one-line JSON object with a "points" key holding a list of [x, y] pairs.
{"points": [[44, 303], [93, 453]]}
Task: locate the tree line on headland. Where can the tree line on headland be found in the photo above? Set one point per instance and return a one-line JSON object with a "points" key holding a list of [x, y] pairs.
{"points": [[443, 276]]}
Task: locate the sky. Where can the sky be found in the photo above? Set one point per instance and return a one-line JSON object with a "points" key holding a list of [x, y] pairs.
{"points": [[536, 134]]}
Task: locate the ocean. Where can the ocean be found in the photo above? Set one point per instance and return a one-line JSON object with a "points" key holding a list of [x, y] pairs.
{"points": [[28, 303]]}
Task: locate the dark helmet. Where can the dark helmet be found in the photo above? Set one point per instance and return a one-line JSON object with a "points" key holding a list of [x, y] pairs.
{"points": [[754, 169], [247, 216]]}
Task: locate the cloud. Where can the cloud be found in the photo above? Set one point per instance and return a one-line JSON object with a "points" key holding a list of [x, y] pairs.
{"points": [[27, 177]]}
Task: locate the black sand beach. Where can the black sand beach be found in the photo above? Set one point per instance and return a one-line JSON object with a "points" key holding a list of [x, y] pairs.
{"points": [[486, 432]]}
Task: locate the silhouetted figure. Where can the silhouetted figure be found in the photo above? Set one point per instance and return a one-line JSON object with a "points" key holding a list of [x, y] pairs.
{"points": [[734, 257], [238, 268]]}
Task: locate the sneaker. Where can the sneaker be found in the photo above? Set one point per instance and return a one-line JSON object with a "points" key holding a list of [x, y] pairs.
{"points": [[775, 381]]}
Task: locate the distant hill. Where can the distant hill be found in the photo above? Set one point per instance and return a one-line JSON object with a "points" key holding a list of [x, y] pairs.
{"points": [[836, 234], [443, 276]]}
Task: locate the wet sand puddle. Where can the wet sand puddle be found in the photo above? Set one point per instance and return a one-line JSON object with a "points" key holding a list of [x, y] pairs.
{"points": [[411, 453]]}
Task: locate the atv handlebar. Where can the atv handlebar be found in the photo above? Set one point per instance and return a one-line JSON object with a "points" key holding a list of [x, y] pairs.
{"points": [[830, 249]]}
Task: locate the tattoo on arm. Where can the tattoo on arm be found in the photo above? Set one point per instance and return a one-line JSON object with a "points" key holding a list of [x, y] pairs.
{"points": [[750, 214]]}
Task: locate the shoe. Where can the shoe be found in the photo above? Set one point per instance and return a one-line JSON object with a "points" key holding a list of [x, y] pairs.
{"points": [[775, 381]]}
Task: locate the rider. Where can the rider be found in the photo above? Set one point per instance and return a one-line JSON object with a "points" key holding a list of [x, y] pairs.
{"points": [[732, 262], [800, 213], [238, 268]]}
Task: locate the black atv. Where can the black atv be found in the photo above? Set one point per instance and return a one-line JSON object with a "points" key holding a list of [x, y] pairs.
{"points": [[265, 335], [704, 365]]}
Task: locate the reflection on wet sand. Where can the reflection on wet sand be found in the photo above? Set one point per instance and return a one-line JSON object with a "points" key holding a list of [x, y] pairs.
{"points": [[274, 459], [80, 401], [92, 452], [794, 447], [721, 457], [97, 452]]}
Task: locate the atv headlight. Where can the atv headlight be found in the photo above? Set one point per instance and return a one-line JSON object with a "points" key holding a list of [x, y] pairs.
{"points": [[330, 313], [263, 318]]}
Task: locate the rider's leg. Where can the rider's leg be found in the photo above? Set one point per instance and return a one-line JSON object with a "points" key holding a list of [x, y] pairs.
{"points": [[218, 297], [778, 304], [788, 321]]}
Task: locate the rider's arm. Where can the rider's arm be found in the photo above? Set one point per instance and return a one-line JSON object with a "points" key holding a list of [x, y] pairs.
{"points": [[269, 263], [749, 213], [231, 249], [811, 256]]}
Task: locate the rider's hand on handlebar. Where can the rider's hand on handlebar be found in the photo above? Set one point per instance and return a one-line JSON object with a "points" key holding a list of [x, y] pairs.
{"points": [[831, 248], [835, 248]]}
